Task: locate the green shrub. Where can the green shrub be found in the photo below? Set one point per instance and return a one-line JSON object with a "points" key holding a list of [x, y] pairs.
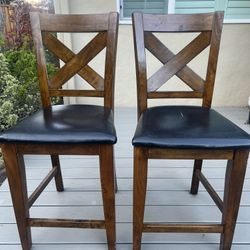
{"points": [[8, 86], [19, 86]]}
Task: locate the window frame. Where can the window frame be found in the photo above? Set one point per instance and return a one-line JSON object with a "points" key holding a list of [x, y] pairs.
{"points": [[171, 10]]}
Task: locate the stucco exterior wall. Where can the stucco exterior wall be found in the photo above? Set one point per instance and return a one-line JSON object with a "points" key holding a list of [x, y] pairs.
{"points": [[232, 87]]}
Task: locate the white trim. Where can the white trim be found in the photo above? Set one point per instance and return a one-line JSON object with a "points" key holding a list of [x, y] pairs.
{"points": [[125, 21], [128, 21], [171, 6], [118, 4], [237, 21], [61, 6]]}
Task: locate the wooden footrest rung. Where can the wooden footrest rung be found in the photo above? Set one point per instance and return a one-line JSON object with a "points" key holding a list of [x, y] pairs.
{"points": [[70, 223], [33, 197], [182, 228]]}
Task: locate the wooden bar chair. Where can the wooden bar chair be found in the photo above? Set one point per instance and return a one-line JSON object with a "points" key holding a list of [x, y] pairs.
{"points": [[184, 132], [73, 129]]}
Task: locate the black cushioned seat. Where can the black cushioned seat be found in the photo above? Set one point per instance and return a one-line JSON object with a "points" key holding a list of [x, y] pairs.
{"points": [[188, 127], [65, 124]]}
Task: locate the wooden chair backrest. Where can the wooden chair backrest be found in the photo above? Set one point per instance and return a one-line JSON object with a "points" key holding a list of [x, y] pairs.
{"points": [[144, 25], [106, 27]]}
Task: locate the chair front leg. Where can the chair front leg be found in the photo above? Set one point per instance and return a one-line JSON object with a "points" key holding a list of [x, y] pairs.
{"points": [[195, 179], [58, 177], [15, 171], [234, 181], [108, 192], [140, 187]]}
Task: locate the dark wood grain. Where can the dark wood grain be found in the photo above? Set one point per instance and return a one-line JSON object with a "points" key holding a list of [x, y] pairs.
{"points": [[58, 174], [15, 171], [195, 179], [178, 23], [76, 23], [140, 62], [65, 54], [234, 181], [163, 54], [40, 60], [210, 26], [80, 60], [144, 25], [41, 222], [139, 196], [107, 26], [175, 94], [180, 60], [109, 75], [213, 58], [108, 192], [33, 197], [216, 198], [183, 228], [59, 149], [76, 92], [161, 153]]}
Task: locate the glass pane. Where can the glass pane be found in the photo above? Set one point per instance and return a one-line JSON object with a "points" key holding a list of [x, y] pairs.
{"points": [[145, 6]]}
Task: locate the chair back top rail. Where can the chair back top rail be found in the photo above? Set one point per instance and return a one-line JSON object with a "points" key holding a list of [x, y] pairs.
{"points": [[178, 22], [105, 25], [209, 26], [76, 23]]}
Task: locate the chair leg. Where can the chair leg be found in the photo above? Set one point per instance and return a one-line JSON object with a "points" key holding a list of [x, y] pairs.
{"points": [[234, 181], [140, 187], [58, 177], [195, 180], [108, 192], [115, 181], [15, 171]]}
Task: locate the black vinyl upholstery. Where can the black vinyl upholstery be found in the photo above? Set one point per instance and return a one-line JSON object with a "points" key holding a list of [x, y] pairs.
{"points": [[187, 127], [65, 124]]}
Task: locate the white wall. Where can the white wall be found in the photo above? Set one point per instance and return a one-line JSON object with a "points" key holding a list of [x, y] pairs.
{"points": [[232, 86]]}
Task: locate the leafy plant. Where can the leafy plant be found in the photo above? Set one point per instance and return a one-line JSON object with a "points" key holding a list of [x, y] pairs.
{"points": [[8, 84], [19, 88]]}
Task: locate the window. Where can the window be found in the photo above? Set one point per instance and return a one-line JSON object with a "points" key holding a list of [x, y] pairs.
{"points": [[236, 11], [146, 6]]}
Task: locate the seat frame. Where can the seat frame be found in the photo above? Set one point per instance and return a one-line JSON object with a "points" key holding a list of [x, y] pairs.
{"points": [[210, 26], [42, 25]]}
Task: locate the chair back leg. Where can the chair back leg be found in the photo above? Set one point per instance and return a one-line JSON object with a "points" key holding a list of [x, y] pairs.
{"points": [[58, 177], [195, 179], [108, 192]]}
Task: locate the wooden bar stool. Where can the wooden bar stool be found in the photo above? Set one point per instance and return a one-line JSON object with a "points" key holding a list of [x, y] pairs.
{"points": [[184, 132], [67, 129]]}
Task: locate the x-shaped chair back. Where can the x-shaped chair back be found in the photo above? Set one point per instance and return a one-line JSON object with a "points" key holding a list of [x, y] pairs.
{"points": [[184, 131], [45, 25], [69, 129], [145, 25]]}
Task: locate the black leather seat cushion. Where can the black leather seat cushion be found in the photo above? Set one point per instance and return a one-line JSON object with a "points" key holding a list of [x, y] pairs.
{"points": [[188, 127], [65, 124]]}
